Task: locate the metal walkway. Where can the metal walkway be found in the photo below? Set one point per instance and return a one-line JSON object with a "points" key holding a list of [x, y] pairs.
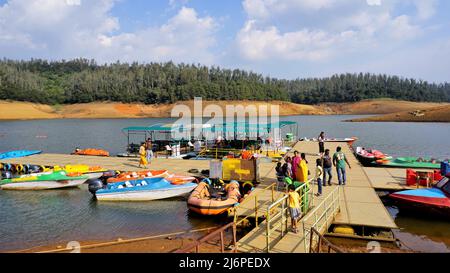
{"points": [[355, 204]]}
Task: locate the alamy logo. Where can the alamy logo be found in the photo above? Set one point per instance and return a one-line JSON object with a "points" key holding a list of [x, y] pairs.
{"points": [[231, 121], [373, 247]]}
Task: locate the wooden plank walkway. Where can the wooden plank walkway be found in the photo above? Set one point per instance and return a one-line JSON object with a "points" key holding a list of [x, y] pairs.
{"points": [[359, 206]]}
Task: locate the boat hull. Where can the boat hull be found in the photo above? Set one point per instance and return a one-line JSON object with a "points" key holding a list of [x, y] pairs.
{"points": [[43, 185], [17, 154], [365, 160], [145, 195], [407, 163], [94, 175], [424, 201]]}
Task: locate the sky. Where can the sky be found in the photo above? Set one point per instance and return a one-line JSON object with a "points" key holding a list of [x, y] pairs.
{"points": [[279, 38]]}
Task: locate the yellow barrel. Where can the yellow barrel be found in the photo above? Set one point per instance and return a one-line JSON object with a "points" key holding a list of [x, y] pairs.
{"points": [[347, 230]]}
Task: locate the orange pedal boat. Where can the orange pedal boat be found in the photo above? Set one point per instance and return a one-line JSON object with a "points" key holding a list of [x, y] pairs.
{"points": [[91, 152], [127, 176]]}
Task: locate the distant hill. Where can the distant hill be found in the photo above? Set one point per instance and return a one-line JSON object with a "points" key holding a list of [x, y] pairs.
{"points": [[10, 110], [85, 81]]}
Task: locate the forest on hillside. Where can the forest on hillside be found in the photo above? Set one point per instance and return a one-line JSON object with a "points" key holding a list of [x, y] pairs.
{"points": [[82, 80]]}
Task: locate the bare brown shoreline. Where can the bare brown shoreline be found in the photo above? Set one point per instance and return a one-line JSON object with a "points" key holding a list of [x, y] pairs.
{"points": [[14, 110], [435, 114]]}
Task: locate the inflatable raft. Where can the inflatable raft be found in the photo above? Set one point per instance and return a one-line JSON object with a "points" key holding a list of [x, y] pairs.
{"points": [[202, 202]]}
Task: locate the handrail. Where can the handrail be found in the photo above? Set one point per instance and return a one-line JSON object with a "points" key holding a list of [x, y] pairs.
{"points": [[321, 240], [255, 209], [305, 191], [326, 209], [220, 231]]}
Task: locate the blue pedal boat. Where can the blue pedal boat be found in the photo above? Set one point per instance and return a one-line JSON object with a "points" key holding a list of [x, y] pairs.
{"points": [[146, 189]]}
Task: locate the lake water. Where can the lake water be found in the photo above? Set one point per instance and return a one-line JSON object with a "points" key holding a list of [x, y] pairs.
{"points": [[29, 219]]}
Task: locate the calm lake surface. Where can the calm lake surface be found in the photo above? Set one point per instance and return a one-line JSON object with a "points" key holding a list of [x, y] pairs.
{"points": [[29, 219]]}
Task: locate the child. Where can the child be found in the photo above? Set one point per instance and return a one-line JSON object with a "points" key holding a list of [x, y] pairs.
{"points": [[287, 167], [278, 169], [294, 207], [318, 177]]}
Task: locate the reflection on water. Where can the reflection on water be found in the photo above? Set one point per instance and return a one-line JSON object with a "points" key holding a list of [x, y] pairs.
{"points": [[29, 219], [422, 234]]}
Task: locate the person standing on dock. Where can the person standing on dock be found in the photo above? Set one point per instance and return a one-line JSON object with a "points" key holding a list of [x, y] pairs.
{"points": [[327, 168], [294, 207], [339, 160], [287, 167], [149, 150], [318, 176], [142, 155], [302, 169], [321, 143], [295, 161]]}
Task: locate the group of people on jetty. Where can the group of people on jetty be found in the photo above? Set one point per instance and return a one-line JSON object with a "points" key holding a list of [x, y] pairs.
{"points": [[295, 168]]}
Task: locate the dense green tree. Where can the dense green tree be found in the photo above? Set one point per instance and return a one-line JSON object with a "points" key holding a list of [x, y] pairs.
{"points": [[82, 80]]}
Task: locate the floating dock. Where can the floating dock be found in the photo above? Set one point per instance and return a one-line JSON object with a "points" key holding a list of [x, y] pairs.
{"points": [[359, 206]]}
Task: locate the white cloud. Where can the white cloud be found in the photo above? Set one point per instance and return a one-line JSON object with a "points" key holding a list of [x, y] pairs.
{"points": [[256, 44], [261, 9], [425, 8], [57, 29], [374, 2], [362, 28], [186, 37]]}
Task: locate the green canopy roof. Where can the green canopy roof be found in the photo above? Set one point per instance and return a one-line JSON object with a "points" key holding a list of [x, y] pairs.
{"points": [[224, 127]]}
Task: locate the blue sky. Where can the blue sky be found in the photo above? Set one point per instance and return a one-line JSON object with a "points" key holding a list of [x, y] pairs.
{"points": [[280, 38]]}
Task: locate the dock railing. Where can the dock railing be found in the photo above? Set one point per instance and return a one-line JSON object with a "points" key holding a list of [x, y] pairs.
{"points": [[195, 246], [277, 215], [322, 241], [321, 217], [256, 207]]}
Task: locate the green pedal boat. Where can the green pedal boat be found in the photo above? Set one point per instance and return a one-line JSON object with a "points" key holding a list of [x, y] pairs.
{"points": [[43, 181], [410, 162]]}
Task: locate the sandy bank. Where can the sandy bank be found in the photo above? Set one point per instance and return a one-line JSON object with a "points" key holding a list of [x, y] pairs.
{"points": [[11, 110], [435, 114]]}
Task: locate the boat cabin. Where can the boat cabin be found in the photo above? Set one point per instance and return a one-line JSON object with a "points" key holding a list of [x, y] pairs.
{"points": [[195, 137]]}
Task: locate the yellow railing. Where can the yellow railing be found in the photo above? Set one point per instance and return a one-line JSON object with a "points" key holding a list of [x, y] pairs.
{"points": [[237, 218], [321, 217], [279, 220]]}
